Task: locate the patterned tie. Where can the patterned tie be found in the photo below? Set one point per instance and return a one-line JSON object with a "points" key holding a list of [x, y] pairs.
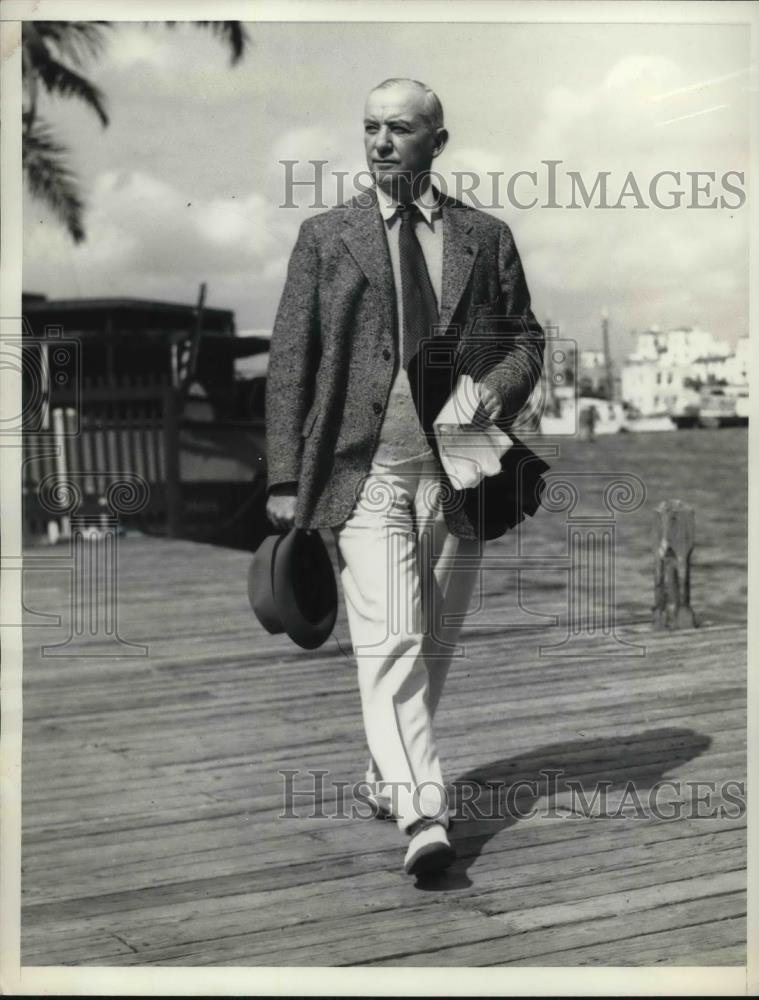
{"points": [[419, 304]]}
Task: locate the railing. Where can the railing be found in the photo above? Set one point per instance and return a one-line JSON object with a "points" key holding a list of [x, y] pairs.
{"points": [[195, 477], [90, 442]]}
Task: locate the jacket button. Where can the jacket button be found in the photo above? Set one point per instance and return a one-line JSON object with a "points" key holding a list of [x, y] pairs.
{"points": [[386, 354], [377, 407]]}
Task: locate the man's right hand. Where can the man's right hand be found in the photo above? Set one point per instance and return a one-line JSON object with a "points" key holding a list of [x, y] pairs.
{"points": [[280, 509]]}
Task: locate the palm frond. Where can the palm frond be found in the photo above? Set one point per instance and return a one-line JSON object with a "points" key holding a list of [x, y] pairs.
{"points": [[74, 41], [64, 82], [50, 49], [232, 33], [50, 178], [41, 65]]}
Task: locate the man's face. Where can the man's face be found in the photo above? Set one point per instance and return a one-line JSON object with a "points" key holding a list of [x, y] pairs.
{"points": [[399, 141]]}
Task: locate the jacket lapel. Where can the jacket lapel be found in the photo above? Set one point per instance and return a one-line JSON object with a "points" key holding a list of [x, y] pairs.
{"points": [[459, 254], [364, 236]]}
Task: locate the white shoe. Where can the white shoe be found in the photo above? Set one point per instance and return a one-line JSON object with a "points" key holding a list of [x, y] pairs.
{"points": [[429, 850]]}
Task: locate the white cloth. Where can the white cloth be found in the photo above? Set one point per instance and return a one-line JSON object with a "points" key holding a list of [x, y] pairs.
{"points": [[407, 584], [401, 437], [468, 452]]}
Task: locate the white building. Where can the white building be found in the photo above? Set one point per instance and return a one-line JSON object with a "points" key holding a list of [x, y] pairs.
{"points": [[592, 359], [736, 366], [664, 373], [593, 375], [652, 388], [686, 345]]}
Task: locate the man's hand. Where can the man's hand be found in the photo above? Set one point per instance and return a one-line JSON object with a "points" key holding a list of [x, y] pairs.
{"points": [[491, 401], [280, 509]]}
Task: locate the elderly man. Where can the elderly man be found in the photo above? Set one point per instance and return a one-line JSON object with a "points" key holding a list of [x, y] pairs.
{"points": [[388, 299]]}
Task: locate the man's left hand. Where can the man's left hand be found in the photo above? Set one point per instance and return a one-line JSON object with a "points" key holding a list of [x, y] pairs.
{"points": [[491, 401]]}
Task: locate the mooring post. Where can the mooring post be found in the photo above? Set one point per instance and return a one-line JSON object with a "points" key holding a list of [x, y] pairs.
{"points": [[673, 538]]}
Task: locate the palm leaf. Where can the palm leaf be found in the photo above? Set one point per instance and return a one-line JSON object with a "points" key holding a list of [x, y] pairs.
{"points": [[74, 41], [232, 33], [50, 179], [41, 66], [64, 82], [47, 48]]}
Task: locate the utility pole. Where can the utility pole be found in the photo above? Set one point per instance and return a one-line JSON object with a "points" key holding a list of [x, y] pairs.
{"points": [[607, 355]]}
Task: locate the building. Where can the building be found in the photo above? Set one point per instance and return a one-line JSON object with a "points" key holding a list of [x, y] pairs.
{"points": [[593, 380], [148, 393], [736, 366], [668, 369], [651, 389]]}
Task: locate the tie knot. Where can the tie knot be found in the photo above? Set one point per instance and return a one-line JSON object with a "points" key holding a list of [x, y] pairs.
{"points": [[408, 212]]}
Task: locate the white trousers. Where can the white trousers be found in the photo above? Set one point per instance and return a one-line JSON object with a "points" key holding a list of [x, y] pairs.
{"points": [[407, 583]]}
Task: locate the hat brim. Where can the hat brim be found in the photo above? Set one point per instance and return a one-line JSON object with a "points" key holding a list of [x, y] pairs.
{"points": [[305, 590], [261, 585]]}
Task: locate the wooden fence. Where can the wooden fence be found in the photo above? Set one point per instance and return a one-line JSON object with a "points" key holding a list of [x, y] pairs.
{"points": [[82, 446]]}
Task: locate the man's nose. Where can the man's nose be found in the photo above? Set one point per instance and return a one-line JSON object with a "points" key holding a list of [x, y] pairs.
{"points": [[383, 140]]}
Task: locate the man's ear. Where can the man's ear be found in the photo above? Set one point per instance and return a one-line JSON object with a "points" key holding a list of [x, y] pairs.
{"points": [[441, 138]]}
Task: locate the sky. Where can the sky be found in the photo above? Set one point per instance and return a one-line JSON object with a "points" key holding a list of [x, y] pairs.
{"points": [[185, 185]]}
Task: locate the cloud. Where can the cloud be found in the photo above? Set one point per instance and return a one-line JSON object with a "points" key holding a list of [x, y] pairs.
{"points": [[185, 183], [145, 234], [649, 265]]}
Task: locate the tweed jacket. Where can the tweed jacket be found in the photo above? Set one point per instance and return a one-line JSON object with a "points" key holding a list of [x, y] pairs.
{"points": [[334, 350]]}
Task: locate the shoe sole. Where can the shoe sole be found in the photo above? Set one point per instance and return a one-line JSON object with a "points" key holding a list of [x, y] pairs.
{"points": [[434, 858]]}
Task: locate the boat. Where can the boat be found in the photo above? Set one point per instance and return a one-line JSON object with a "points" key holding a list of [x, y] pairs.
{"points": [[650, 422], [718, 406]]}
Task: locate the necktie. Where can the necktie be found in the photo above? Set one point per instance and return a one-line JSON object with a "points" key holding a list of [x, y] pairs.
{"points": [[419, 304]]}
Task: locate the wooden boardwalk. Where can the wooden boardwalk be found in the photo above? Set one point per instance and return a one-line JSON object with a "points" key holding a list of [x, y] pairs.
{"points": [[152, 792]]}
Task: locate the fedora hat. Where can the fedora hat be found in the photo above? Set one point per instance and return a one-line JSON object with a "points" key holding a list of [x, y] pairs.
{"points": [[292, 588]]}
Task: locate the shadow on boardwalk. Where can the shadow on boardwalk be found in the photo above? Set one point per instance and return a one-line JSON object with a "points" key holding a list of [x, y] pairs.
{"points": [[572, 779]]}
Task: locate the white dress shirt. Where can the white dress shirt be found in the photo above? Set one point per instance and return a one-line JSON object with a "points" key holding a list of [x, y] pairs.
{"points": [[401, 437]]}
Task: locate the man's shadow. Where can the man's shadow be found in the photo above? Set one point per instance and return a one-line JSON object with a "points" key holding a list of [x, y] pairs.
{"points": [[491, 798]]}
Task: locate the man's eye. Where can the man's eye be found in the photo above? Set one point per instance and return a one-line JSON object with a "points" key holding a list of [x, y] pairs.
{"points": [[371, 128]]}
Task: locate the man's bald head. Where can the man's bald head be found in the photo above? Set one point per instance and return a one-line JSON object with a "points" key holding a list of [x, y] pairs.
{"points": [[431, 108]]}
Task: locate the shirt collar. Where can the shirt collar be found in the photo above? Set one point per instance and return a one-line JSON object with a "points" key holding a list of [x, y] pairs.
{"points": [[388, 206]]}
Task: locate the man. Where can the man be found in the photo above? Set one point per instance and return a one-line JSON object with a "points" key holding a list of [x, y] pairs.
{"points": [[387, 300]]}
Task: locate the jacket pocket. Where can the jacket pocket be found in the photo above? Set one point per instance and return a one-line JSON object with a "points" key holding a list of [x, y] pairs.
{"points": [[308, 423]]}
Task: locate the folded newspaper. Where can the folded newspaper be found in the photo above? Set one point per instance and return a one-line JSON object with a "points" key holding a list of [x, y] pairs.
{"points": [[470, 446]]}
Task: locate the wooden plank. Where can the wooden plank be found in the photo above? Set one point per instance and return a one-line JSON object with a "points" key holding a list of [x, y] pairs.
{"points": [[571, 893], [621, 936], [151, 794]]}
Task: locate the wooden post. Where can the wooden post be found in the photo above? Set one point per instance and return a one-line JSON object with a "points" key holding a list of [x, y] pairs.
{"points": [[185, 351], [173, 484], [673, 538]]}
